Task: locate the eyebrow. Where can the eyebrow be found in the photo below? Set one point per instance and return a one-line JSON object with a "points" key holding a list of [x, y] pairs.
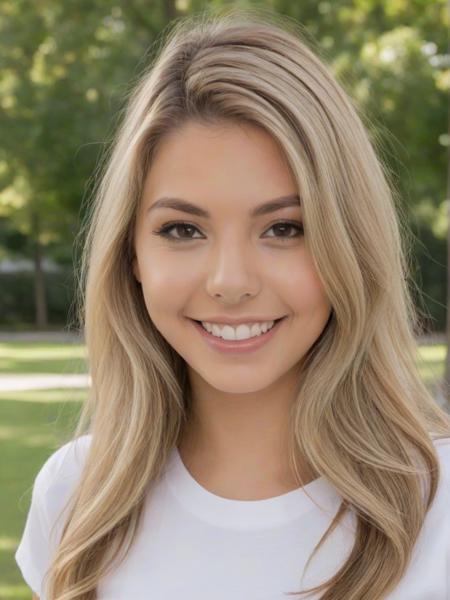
{"points": [[193, 209]]}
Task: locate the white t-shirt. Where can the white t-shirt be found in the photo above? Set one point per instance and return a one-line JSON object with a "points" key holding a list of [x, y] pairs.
{"points": [[196, 545]]}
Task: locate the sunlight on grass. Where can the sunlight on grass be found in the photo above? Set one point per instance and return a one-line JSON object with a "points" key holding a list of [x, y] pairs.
{"points": [[33, 425], [10, 592], [436, 352], [8, 544], [46, 395], [36, 357], [430, 362], [21, 350]]}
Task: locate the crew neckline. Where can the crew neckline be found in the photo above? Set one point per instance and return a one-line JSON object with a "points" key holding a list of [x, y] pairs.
{"points": [[246, 514]]}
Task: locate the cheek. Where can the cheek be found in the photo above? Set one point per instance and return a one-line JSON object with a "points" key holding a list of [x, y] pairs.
{"points": [[165, 286], [303, 288]]}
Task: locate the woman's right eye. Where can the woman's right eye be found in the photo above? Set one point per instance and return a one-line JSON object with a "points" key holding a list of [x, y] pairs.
{"points": [[164, 231]]}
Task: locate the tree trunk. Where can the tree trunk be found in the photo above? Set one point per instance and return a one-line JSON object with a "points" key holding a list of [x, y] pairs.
{"points": [[40, 299]]}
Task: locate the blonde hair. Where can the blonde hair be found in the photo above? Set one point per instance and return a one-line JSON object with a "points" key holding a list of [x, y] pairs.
{"points": [[362, 418]]}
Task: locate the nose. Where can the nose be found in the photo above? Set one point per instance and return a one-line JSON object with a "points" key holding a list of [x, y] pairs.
{"points": [[232, 273]]}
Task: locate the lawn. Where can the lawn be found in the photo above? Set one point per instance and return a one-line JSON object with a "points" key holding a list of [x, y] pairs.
{"points": [[34, 357], [34, 423]]}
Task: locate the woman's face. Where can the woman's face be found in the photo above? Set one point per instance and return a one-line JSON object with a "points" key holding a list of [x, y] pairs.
{"points": [[232, 264]]}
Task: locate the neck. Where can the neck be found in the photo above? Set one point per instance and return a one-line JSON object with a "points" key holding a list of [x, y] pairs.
{"points": [[238, 449]]}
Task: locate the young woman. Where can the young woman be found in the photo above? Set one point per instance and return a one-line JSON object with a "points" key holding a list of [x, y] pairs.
{"points": [[256, 425]]}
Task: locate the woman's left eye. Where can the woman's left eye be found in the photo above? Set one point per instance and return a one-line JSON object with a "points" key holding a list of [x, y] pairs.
{"points": [[283, 225], [280, 226]]}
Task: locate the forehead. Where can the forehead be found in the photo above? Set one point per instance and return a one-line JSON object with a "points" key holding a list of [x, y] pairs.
{"points": [[213, 164]]}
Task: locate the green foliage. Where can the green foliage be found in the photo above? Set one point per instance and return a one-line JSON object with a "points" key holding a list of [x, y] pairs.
{"points": [[66, 70], [17, 302], [390, 56]]}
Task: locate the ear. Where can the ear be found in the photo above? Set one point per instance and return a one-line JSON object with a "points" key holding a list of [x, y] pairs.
{"points": [[136, 270]]}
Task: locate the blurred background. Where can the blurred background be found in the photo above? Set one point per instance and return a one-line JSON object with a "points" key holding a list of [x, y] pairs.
{"points": [[65, 71]]}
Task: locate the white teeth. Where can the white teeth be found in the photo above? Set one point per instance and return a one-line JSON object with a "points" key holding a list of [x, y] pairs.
{"points": [[241, 332]]}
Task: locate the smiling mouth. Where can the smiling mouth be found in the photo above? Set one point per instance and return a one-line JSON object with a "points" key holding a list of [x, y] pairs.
{"points": [[275, 321]]}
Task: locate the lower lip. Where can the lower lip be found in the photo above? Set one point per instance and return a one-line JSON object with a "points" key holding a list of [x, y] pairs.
{"points": [[238, 346]]}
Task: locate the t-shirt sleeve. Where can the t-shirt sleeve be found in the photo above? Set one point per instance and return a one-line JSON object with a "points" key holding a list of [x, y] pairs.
{"points": [[52, 489], [32, 554], [443, 449]]}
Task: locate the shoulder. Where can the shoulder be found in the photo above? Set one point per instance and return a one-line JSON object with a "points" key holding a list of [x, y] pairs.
{"points": [[439, 513], [442, 446], [59, 474], [65, 462], [52, 488]]}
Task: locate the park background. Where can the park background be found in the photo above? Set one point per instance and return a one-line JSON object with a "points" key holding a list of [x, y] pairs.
{"points": [[66, 69]]}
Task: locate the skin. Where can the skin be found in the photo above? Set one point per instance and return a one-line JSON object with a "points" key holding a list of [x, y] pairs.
{"points": [[234, 265]]}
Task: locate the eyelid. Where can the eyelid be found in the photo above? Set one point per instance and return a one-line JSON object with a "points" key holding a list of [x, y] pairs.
{"points": [[163, 230], [275, 222]]}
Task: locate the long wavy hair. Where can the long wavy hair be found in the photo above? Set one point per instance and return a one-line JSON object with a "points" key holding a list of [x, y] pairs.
{"points": [[363, 418]]}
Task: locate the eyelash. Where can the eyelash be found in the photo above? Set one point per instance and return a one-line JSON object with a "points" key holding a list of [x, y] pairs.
{"points": [[164, 230]]}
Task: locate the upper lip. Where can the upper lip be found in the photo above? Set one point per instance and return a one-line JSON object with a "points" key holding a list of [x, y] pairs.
{"points": [[231, 321]]}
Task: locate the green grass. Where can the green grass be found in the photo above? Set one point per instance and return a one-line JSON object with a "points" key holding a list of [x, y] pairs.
{"points": [[36, 357], [430, 362], [32, 425], [35, 423]]}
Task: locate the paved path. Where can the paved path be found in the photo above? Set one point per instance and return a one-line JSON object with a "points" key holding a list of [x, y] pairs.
{"points": [[16, 383], [42, 381], [41, 336]]}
